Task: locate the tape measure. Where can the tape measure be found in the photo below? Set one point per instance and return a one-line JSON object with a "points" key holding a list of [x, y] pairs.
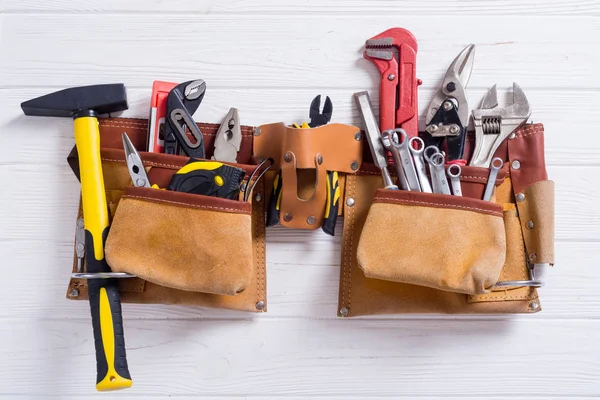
{"points": [[208, 178]]}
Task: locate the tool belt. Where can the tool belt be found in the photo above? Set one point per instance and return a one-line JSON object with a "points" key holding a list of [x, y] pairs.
{"points": [[402, 251]]}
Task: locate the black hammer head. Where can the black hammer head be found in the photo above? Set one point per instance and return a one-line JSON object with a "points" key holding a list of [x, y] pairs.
{"points": [[101, 99]]}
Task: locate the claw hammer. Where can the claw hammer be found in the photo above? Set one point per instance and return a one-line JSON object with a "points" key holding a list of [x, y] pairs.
{"points": [[83, 104]]}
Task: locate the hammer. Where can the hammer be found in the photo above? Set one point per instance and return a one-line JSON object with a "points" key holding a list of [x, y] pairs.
{"points": [[83, 104]]}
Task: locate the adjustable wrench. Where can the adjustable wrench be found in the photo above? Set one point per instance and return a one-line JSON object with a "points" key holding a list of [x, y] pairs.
{"points": [[493, 124]]}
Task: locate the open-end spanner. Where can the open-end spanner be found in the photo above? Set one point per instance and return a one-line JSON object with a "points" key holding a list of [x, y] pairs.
{"points": [[437, 160], [494, 124], [427, 153], [399, 149]]}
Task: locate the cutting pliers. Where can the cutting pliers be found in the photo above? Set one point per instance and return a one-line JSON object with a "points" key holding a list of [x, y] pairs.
{"points": [[135, 166], [448, 113]]}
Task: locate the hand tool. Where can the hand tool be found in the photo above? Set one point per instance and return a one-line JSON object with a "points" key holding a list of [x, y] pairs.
{"points": [[250, 187], [135, 166], [493, 124], [437, 160], [400, 151], [229, 138], [398, 88], [417, 154], [182, 103], [158, 112], [83, 104], [80, 243], [427, 153], [454, 171], [373, 138], [447, 116], [495, 166], [386, 140], [208, 178], [318, 117]]}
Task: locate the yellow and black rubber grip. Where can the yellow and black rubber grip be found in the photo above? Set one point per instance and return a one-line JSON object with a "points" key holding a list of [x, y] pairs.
{"points": [[274, 202], [107, 323], [333, 203], [105, 301]]}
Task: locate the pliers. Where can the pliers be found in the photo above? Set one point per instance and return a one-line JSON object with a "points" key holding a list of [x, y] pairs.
{"points": [[182, 102], [448, 113], [229, 138]]}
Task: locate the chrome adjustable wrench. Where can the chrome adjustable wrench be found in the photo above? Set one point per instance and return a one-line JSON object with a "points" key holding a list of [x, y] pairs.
{"points": [[494, 124]]}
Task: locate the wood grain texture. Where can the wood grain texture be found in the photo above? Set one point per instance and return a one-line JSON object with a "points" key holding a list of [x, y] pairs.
{"points": [[262, 52], [312, 7], [269, 59], [293, 357]]}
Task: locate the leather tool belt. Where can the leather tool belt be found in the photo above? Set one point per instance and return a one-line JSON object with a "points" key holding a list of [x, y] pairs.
{"points": [[402, 252]]}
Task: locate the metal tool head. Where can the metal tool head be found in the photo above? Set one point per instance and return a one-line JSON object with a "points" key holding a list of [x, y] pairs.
{"points": [[371, 129], [318, 117], [229, 138], [391, 38], [494, 124], [135, 166], [454, 86], [101, 99], [182, 102]]}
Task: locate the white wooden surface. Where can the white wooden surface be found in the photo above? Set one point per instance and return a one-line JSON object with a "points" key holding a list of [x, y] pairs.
{"points": [[269, 59]]}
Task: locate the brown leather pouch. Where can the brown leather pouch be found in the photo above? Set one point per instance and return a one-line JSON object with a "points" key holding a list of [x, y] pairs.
{"points": [[305, 155], [182, 241], [156, 218], [522, 185], [449, 243]]}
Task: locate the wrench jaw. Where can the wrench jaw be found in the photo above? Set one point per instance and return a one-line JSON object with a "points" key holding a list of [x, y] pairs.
{"points": [[494, 124]]}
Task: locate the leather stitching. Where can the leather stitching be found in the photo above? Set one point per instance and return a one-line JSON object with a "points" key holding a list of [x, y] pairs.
{"points": [[203, 207], [425, 203]]}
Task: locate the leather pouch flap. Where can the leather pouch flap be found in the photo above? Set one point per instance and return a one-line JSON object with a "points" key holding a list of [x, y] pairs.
{"points": [[536, 212], [339, 145], [183, 241], [448, 243]]}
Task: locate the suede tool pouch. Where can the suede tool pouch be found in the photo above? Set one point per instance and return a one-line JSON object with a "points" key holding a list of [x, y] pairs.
{"points": [[183, 241], [449, 243]]}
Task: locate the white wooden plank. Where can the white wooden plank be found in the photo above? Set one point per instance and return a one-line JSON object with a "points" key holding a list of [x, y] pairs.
{"points": [[302, 282], [567, 116], [311, 357], [313, 7], [269, 51]]}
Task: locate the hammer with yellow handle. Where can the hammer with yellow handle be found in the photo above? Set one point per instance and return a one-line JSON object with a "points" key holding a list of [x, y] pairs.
{"points": [[83, 104]]}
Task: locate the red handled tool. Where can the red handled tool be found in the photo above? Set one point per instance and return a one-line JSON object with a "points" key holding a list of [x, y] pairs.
{"points": [[158, 113], [394, 53]]}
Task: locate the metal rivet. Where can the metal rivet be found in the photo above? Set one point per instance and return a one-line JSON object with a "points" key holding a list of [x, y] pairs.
{"points": [[520, 197], [391, 77], [512, 136], [350, 201], [532, 257], [287, 217], [311, 220], [257, 131], [287, 157], [74, 292], [447, 105], [80, 223], [432, 128], [320, 160], [357, 136], [454, 129], [516, 164], [530, 224], [260, 305], [344, 311], [534, 305], [258, 198], [354, 166], [451, 86]]}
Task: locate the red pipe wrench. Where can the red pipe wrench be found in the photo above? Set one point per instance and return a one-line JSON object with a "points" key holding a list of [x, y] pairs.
{"points": [[398, 105]]}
